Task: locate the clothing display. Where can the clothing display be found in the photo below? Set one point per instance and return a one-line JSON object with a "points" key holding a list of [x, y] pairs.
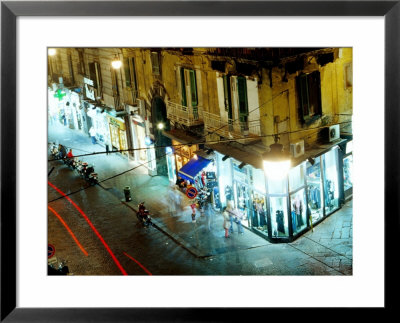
{"points": [[279, 221], [314, 196]]}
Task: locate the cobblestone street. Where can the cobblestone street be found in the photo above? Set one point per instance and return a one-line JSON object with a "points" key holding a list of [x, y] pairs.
{"points": [[175, 245]]}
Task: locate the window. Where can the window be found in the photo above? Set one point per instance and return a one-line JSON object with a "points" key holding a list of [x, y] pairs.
{"points": [[130, 74], [95, 75], [242, 99], [189, 87], [81, 64], [227, 95], [155, 63], [348, 75], [71, 69], [309, 89]]}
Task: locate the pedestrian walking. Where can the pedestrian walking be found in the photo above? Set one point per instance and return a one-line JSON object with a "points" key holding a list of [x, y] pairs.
{"points": [[208, 211], [193, 206], [230, 208], [226, 223], [93, 135]]}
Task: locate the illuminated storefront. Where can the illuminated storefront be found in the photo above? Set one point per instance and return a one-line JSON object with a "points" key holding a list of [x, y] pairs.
{"points": [[99, 122], [117, 134], [283, 209]]}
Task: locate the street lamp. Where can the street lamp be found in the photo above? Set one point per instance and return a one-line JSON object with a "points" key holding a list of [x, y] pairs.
{"points": [[276, 162], [51, 51], [116, 63], [160, 126]]}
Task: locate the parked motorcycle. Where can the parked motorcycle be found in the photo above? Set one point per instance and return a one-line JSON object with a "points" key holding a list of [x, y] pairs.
{"points": [[202, 198], [54, 151], [143, 215]]}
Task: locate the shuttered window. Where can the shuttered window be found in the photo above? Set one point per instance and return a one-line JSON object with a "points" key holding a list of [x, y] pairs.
{"points": [[193, 88], [309, 91], [155, 63], [183, 87], [242, 97], [130, 73]]}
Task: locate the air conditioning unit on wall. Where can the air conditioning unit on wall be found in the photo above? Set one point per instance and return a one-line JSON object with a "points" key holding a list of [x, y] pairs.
{"points": [[297, 149], [334, 133]]}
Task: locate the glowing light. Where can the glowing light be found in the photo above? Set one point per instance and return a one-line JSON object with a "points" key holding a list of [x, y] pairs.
{"points": [[68, 229], [92, 227], [51, 51], [160, 126], [116, 63], [276, 169], [195, 156], [168, 150]]}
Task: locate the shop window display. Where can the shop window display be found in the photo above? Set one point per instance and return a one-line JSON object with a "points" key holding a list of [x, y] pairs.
{"points": [[279, 218], [277, 186], [331, 186], [259, 213], [297, 177], [314, 189], [347, 172], [298, 210]]}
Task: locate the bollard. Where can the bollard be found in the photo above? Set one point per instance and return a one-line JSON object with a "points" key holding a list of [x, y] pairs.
{"points": [[127, 192]]}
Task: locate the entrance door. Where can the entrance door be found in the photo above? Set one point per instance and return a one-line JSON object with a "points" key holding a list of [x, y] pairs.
{"points": [[159, 116]]}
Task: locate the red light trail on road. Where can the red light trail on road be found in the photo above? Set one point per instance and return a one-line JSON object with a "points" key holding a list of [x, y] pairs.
{"points": [[92, 227], [143, 267], [68, 229]]}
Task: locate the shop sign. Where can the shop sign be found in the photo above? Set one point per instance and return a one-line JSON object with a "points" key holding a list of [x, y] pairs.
{"points": [[60, 95], [116, 123]]}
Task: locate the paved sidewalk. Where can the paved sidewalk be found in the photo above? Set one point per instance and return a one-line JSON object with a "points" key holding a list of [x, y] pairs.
{"points": [[331, 240]]}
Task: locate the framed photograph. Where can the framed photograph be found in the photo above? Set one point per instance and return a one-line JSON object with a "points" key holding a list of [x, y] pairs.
{"points": [[371, 29]]}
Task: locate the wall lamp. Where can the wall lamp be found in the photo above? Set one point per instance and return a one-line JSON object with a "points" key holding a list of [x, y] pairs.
{"points": [[51, 51], [242, 165], [225, 157]]}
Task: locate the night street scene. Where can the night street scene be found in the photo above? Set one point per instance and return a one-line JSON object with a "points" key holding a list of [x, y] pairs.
{"points": [[200, 161]]}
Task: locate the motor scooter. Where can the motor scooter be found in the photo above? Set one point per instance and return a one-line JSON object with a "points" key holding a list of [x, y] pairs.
{"points": [[143, 215]]}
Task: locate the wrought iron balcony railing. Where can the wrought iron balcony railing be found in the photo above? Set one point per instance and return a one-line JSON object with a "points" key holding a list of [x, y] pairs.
{"points": [[232, 128], [189, 116]]}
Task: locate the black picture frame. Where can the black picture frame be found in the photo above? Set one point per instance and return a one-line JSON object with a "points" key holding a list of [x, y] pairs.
{"points": [[10, 10]]}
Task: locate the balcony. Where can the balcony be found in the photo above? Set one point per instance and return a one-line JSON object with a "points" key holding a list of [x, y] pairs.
{"points": [[187, 116], [233, 129]]}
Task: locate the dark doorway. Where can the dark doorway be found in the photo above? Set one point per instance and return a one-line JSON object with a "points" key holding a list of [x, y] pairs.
{"points": [[159, 118]]}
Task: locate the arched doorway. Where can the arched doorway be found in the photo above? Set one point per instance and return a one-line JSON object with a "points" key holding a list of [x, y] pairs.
{"points": [[160, 123]]}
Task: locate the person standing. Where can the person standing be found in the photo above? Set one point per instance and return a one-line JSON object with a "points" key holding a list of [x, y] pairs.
{"points": [[70, 154], [62, 152], [93, 135], [226, 223]]}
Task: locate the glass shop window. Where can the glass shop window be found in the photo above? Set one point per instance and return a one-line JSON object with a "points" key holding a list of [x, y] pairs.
{"points": [[279, 218], [331, 187], [297, 177], [314, 189], [258, 217], [225, 179], [277, 186], [258, 180], [298, 210], [347, 172]]}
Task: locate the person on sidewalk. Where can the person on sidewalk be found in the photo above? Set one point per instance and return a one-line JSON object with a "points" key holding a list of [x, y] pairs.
{"points": [[93, 135], [70, 154], [208, 211], [62, 152], [193, 206], [226, 223], [229, 208]]}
